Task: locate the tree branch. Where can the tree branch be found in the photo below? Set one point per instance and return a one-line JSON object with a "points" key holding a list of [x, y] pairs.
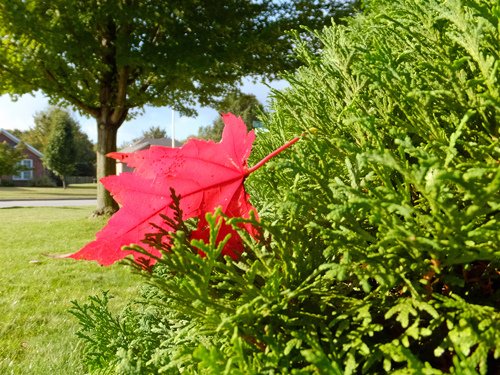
{"points": [[121, 95], [93, 111]]}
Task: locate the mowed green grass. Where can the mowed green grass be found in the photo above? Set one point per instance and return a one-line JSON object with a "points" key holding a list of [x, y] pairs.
{"points": [[37, 333], [76, 191]]}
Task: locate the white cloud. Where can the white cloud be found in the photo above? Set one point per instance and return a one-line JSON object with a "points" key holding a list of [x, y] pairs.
{"points": [[19, 114]]}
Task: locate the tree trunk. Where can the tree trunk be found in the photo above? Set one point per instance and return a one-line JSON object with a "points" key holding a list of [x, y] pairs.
{"points": [[110, 116], [106, 143]]}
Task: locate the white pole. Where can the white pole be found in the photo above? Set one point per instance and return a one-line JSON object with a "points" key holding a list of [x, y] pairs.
{"points": [[173, 128]]}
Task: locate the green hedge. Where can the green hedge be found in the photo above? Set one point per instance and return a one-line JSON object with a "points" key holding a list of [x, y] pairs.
{"points": [[381, 227]]}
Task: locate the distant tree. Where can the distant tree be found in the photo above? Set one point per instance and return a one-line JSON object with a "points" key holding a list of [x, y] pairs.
{"points": [[17, 133], [85, 154], [108, 58], [10, 158], [244, 105], [154, 132], [60, 153], [39, 136]]}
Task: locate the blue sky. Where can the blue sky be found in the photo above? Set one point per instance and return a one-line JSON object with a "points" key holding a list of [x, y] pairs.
{"points": [[19, 115]]}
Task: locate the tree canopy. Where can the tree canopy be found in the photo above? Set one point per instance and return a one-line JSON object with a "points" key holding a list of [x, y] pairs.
{"points": [[10, 158], [39, 135], [154, 132], [108, 58], [60, 153]]}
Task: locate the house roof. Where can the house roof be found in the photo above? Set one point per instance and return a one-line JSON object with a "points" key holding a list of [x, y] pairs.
{"points": [[16, 140], [145, 143]]}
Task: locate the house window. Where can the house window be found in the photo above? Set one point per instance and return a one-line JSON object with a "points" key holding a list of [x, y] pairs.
{"points": [[26, 174]]}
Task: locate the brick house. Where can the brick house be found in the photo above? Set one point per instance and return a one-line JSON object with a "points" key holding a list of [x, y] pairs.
{"points": [[33, 161]]}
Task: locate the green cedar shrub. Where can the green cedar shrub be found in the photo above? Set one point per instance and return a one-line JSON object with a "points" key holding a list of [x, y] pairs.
{"points": [[380, 246]]}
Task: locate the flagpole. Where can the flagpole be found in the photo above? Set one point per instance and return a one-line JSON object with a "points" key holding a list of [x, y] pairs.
{"points": [[173, 128]]}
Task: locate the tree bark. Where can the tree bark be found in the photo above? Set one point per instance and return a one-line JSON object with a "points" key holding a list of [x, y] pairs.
{"points": [[112, 113], [106, 143]]}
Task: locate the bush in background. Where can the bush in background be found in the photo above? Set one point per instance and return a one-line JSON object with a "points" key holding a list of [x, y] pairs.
{"points": [[44, 181], [380, 229]]}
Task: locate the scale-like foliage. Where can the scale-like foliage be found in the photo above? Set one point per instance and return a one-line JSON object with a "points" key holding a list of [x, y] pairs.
{"points": [[380, 232]]}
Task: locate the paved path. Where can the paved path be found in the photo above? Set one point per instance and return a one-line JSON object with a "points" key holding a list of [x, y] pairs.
{"points": [[49, 203]]}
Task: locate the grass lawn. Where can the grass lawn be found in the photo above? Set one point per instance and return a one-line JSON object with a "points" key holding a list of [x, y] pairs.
{"points": [[36, 329], [75, 191]]}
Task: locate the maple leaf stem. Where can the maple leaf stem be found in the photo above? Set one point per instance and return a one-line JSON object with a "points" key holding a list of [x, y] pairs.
{"points": [[271, 155]]}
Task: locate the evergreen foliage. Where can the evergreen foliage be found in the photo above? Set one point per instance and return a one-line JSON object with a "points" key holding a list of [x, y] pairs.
{"points": [[380, 229]]}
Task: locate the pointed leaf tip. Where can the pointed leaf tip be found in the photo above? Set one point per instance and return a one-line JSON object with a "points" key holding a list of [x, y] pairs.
{"points": [[205, 174]]}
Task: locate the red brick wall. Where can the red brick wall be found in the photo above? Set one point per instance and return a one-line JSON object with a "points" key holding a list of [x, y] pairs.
{"points": [[3, 138], [38, 170]]}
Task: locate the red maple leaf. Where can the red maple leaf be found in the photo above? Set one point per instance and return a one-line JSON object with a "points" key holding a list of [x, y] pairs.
{"points": [[205, 175]]}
